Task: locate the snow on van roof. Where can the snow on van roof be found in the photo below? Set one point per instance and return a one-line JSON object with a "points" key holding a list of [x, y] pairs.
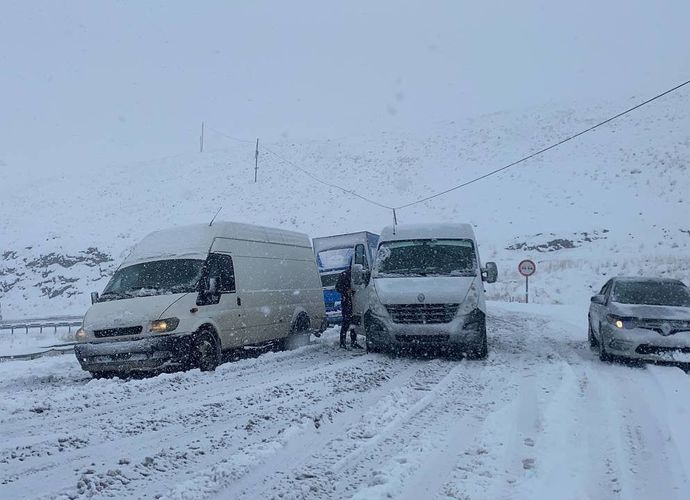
{"points": [[427, 231], [348, 240], [194, 241]]}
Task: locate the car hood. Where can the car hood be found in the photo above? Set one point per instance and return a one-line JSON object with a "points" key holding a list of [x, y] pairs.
{"points": [[435, 289], [650, 312], [128, 312]]}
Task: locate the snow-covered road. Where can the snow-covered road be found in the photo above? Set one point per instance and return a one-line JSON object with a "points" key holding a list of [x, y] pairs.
{"points": [[540, 418]]}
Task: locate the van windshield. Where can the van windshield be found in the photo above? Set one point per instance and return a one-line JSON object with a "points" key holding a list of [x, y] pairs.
{"points": [[160, 277], [426, 258]]}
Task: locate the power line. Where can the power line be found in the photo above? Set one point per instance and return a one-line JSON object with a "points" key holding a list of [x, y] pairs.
{"points": [[326, 183], [541, 151], [237, 139]]}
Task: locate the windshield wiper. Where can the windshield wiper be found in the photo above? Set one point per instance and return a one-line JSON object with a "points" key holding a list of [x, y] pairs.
{"points": [[115, 295]]}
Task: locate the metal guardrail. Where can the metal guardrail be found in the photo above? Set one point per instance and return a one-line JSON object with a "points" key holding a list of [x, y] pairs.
{"points": [[53, 322]]}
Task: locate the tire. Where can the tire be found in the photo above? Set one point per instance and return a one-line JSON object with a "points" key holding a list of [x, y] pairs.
{"points": [[603, 355], [373, 347], [593, 342], [205, 351], [481, 350]]}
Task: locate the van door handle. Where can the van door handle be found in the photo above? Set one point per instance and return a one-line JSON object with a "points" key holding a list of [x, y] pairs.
{"points": [[239, 301]]}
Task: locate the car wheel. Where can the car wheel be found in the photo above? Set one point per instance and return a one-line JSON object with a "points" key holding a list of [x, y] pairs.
{"points": [[590, 336], [603, 355], [205, 352]]}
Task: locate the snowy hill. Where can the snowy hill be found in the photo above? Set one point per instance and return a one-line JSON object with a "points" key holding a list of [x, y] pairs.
{"points": [[612, 202]]}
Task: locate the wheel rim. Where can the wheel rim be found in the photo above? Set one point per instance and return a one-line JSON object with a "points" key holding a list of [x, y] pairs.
{"points": [[205, 351]]}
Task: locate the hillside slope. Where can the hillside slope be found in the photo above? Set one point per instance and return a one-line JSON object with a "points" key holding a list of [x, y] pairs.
{"points": [[612, 202]]}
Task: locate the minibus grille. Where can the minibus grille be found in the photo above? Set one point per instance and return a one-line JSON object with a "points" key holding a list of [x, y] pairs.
{"points": [[117, 332], [422, 314]]}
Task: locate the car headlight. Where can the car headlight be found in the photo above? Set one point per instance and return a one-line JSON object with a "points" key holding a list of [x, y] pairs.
{"points": [[622, 323], [80, 335], [164, 325]]}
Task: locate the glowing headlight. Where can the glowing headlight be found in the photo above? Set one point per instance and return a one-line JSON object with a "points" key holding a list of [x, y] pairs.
{"points": [[164, 325], [81, 334], [621, 323]]}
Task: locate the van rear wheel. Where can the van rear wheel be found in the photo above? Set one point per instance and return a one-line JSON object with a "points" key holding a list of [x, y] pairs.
{"points": [[205, 351]]}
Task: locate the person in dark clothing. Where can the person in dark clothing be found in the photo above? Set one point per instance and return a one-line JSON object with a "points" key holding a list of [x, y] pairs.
{"points": [[344, 287]]}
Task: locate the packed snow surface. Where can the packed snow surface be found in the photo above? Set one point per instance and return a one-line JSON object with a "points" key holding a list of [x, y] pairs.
{"points": [[541, 418]]}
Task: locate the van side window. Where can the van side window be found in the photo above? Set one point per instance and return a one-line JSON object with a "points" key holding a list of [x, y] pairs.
{"points": [[220, 267]]}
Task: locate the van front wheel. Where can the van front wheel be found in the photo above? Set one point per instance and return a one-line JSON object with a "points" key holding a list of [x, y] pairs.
{"points": [[205, 351]]}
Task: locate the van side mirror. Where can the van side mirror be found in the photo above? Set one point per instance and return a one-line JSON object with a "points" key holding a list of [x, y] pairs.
{"points": [[599, 299], [208, 294], [94, 297], [490, 272], [212, 286], [358, 275]]}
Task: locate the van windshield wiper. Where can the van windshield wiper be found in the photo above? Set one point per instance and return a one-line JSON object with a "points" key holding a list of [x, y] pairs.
{"points": [[112, 296]]}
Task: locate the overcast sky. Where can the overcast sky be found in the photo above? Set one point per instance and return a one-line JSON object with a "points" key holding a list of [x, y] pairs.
{"points": [[99, 82]]}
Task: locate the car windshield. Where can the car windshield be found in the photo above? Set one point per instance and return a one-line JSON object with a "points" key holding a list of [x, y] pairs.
{"points": [[426, 258], [154, 278], [656, 293]]}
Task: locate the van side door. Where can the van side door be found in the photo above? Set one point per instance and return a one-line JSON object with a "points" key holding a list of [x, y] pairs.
{"points": [[224, 307], [359, 300]]}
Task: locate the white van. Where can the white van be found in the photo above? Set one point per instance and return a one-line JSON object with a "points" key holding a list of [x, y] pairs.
{"points": [[425, 290], [186, 294]]}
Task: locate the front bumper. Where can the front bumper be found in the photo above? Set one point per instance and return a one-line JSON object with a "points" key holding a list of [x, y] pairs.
{"points": [[464, 331], [152, 353], [647, 345]]}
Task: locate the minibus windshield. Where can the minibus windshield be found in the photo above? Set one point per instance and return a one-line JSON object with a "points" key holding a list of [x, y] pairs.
{"points": [[160, 277], [426, 258]]}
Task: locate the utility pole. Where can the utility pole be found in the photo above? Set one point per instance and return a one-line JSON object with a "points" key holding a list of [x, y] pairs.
{"points": [[256, 161], [201, 139]]}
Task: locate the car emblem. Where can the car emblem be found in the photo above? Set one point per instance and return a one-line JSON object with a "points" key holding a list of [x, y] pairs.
{"points": [[421, 297], [666, 329]]}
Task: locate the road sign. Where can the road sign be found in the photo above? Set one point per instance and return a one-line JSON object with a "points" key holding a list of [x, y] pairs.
{"points": [[527, 268]]}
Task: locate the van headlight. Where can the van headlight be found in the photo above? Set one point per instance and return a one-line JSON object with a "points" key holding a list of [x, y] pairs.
{"points": [[80, 336], [375, 305], [471, 301], [164, 325]]}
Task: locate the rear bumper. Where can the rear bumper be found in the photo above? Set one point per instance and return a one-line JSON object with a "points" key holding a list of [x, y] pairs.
{"points": [[461, 332], [647, 345], [148, 354]]}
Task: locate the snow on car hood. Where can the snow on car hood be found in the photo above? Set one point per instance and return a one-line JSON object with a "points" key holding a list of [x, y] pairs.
{"points": [[436, 289], [127, 312], [650, 312]]}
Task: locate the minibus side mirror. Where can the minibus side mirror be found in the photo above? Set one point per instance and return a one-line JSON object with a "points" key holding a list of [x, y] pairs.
{"points": [[490, 272], [94, 297]]}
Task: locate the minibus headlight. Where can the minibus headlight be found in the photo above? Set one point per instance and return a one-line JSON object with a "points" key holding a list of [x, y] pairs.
{"points": [[164, 325]]}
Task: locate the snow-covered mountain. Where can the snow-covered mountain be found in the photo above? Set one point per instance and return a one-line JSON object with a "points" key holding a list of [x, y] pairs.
{"points": [[612, 202]]}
